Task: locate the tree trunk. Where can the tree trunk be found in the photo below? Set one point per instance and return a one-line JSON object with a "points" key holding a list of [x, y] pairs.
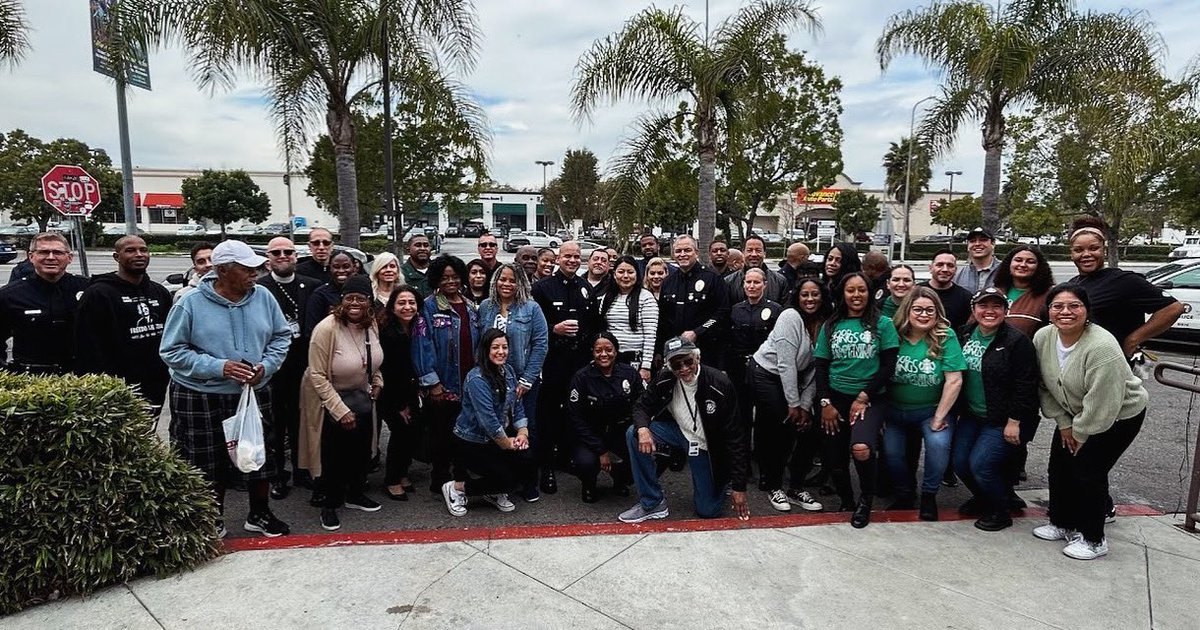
{"points": [[1113, 242], [341, 134], [993, 145], [707, 216]]}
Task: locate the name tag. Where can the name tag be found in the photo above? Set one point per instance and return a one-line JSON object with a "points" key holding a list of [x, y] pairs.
{"points": [[36, 311], [295, 328], [693, 448]]}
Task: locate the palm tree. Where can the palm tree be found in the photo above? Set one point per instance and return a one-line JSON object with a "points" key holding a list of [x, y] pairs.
{"points": [[1029, 52], [664, 57], [896, 167], [14, 32], [316, 57]]}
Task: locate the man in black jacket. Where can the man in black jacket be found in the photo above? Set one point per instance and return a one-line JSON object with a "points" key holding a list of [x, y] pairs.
{"points": [[120, 323], [320, 249], [292, 291], [694, 303], [38, 313], [692, 409]]}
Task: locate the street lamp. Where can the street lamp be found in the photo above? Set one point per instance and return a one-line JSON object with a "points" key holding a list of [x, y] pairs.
{"points": [[912, 122], [950, 196], [545, 164]]}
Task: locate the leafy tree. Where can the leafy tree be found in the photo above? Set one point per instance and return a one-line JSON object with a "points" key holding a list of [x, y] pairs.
{"points": [[963, 212], [315, 59], [224, 197], [436, 151], [1036, 221], [575, 193], [662, 56], [14, 32], [787, 135], [24, 159], [856, 211], [897, 174], [670, 196], [1027, 53]]}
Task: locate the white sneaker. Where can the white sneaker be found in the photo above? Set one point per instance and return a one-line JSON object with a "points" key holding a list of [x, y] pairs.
{"points": [[1053, 532], [1111, 515], [779, 501], [501, 502], [456, 502], [1081, 549], [805, 500]]}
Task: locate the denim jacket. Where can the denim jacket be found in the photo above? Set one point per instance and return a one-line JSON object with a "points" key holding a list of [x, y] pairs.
{"points": [[528, 337], [437, 343], [483, 417]]}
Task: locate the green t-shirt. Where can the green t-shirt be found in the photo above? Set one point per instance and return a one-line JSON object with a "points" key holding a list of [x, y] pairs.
{"points": [[853, 352], [973, 376], [888, 306], [919, 378], [1015, 294]]}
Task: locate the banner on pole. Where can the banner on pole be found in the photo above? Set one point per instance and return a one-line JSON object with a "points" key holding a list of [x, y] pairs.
{"points": [[103, 58]]}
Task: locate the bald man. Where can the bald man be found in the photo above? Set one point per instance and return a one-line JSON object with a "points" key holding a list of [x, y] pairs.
{"points": [[797, 254], [120, 320], [735, 260]]}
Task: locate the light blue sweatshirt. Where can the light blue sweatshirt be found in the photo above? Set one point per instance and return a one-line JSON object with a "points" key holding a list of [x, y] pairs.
{"points": [[204, 330]]}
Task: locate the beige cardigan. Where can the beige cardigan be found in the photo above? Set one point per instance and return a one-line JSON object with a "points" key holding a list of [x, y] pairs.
{"points": [[318, 395]]}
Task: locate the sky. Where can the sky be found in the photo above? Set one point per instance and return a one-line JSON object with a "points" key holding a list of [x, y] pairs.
{"points": [[523, 78]]}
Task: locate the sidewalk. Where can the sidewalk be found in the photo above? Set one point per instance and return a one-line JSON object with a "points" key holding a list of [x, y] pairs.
{"points": [[717, 575]]}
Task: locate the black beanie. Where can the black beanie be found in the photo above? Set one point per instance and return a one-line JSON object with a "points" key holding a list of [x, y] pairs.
{"points": [[357, 284]]}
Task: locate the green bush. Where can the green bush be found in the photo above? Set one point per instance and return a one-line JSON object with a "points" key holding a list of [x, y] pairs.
{"points": [[89, 495]]}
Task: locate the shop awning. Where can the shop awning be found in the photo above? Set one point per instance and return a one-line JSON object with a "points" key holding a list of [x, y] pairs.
{"points": [[162, 200]]}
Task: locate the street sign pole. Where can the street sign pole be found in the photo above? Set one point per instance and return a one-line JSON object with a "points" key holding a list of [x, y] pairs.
{"points": [[82, 241], [126, 161]]}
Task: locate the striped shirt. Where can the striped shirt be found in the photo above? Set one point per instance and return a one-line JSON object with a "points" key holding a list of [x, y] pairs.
{"points": [[638, 341]]}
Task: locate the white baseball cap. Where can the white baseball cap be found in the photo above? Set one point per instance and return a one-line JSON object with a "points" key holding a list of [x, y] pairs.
{"points": [[232, 251]]}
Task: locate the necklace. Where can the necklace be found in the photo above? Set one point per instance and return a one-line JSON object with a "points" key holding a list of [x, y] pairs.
{"points": [[349, 341]]}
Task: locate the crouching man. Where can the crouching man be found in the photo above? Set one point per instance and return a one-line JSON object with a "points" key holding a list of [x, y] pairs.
{"points": [[688, 409]]}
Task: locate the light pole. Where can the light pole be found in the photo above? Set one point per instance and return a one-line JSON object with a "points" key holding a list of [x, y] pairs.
{"points": [[912, 122], [950, 195], [545, 164]]}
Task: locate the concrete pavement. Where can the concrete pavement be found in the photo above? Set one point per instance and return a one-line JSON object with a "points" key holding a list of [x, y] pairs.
{"points": [[704, 574]]}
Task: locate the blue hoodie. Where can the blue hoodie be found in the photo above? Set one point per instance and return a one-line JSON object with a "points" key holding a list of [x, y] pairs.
{"points": [[204, 330]]}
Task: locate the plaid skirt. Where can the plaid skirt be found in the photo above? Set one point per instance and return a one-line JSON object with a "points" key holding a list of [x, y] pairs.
{"points": [[199, 437]]}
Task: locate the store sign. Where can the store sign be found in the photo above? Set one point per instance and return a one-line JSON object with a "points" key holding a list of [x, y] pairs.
{"points": [[822, 196], [935, 205]]}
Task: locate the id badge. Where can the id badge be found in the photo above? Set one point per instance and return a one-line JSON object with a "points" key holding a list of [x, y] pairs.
{"points": [[295, 328], [693, 448]]}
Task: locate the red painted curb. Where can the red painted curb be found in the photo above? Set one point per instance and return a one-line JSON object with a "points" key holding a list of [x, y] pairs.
{"points": [[422, 536]]}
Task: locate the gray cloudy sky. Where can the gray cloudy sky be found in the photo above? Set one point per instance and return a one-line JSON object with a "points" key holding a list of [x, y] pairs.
{"points": [[526, 66]]}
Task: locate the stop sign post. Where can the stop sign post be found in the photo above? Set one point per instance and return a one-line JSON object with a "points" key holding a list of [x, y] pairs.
{"points": [[73, 193]]}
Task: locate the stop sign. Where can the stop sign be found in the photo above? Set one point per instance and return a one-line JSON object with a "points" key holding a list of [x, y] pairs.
{"points": [[71, 190]]}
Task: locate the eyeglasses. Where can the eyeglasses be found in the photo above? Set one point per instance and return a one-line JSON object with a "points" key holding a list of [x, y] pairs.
{"points": [[923, 310], [1058, 307], [355, 297], [321, 243], [47, 253], [489, 245], [278, 253], [682, 363]]}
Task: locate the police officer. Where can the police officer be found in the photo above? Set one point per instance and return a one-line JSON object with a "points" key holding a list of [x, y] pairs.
{"points": [[292, 291], [601, 407], [751, 320], [565, 301], [38, 313], [695, 303]]}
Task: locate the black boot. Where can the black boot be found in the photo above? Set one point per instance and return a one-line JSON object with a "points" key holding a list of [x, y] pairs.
{"points": [[589, 492], [847, 504], [549, 484], [929, 509], [862, 514], [995, 521]]}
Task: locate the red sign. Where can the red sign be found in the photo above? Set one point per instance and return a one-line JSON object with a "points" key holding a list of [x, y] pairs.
{"points": [[71, 190], [824, 195]]}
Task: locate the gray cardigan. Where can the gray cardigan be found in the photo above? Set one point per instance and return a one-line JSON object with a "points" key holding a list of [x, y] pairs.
{"points": [[787, 352]]}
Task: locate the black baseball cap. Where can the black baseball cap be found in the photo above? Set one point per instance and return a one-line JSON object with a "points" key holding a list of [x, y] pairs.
{"points": [[980, 232], [990, 293]]}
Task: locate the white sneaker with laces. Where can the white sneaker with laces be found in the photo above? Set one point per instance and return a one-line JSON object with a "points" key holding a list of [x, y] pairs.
{"points": [[501, 501], [1082, 549], [456, 502], [805, 500], [779, 501], [1051, 531]]}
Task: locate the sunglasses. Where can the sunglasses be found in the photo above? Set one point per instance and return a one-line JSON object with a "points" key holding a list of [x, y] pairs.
{"points": [[279, 253], [489, 245], [682, 363], [321, 243]]}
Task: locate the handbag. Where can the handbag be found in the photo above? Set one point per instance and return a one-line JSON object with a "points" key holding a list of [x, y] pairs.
{"points": [[359, 401]]}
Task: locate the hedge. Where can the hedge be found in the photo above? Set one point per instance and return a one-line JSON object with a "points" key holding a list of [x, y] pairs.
{"points": [[90, 496]]}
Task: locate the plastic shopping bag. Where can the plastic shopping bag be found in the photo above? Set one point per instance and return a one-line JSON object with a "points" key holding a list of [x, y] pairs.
{"points": [[244, 434]]}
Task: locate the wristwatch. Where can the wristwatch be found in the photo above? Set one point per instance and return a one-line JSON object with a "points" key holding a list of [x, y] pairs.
{"points": [[825, 402]]}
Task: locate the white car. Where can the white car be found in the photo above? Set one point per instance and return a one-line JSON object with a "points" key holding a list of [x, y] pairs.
{"points": [[248, 230], [771, 237], [191, 229], [534, 238], [1181, 280], [1189, 249]]}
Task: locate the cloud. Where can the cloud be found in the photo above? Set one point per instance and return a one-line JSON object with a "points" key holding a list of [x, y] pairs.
{"points": [[522, 80]]}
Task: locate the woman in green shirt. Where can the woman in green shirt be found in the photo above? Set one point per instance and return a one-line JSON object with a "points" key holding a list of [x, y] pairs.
{"points": [[855, 356], [900, 282], [924, 387]]}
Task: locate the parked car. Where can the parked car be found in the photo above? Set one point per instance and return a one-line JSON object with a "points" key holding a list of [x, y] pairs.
{"points": [[1181, 280], [303, 230], [276, 228], [435, 239], [452, 231], [934, 238], [191, 229], [565, 235], [535, 238], [248, 230], [770, 237], [8, 252], [1189, 249], [472, 230]]}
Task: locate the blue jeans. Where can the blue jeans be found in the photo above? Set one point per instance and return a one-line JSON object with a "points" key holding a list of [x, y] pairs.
{"points": [[979, 456], [707, 497], [905, 425]]}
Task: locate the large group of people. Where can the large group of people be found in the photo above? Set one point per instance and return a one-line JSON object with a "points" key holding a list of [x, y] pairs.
{"points": [[618, 369]]}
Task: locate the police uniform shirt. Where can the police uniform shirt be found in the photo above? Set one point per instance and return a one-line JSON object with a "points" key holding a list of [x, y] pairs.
{"points": [[39, 316], [749, 326], [695, 300], [564, 297]]}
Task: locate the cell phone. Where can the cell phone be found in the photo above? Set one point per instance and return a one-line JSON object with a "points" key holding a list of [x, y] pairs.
{"points": [[247, 364]]}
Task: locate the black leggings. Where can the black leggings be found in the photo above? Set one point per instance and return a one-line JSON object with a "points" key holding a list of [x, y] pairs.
{"points": [[345, 458], [1079, 483], [441, 416], [836, 448], [587, 462], [402, 440], [776, 440], [497, 469]]}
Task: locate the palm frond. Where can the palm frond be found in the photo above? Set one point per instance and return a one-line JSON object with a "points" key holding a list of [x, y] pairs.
{"points": [[446, 98], [739, 41], [449, 26], [945, 35], [14, 32], [651, 58], [638, 154], [939, 128]]}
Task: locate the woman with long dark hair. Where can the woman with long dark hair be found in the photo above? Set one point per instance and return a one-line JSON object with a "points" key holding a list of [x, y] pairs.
{"points": [[475, 283], [856, 356], [630, 313], [840, 261], [489, 430], [398, 403], [1025, 278]]}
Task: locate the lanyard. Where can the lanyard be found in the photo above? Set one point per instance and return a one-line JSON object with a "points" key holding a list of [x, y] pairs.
{"points": [[691, 410], [295, 307]]}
